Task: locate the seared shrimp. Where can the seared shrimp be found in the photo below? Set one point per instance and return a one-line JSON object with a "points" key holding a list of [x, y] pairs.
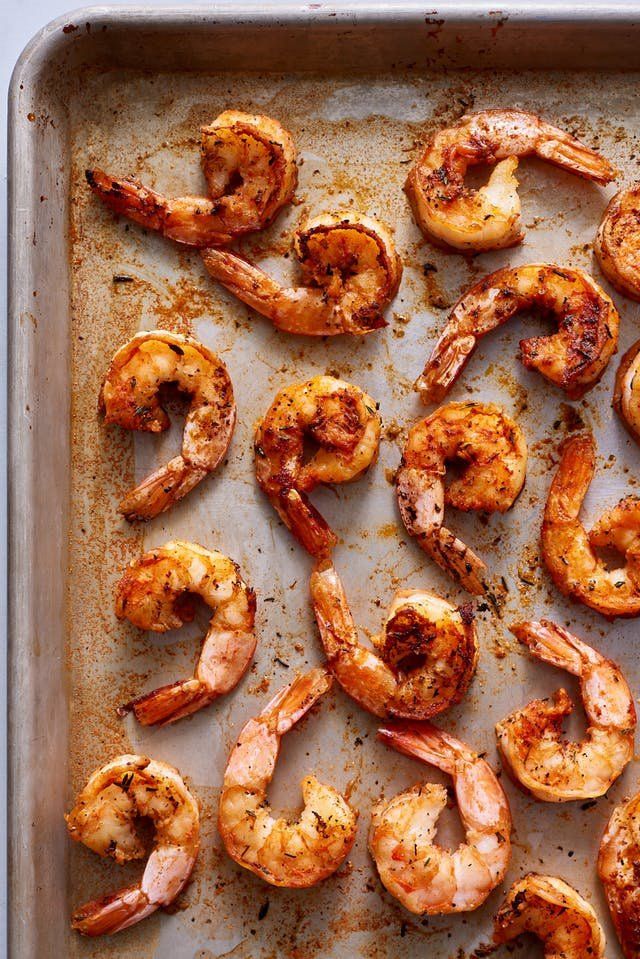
{"points": [[293, 853], [350, 272], [618, 869], [423, 876], [343, 422], [529, 739], [156, 592], [574, 358], [452, 215], [251, 172], [553, 911], [423, 662], [626, 395], [129, 397], [617, 244], [492, 452], [569, 551], [103, 819]]}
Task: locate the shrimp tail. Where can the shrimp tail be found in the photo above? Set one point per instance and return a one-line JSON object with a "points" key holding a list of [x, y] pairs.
{"points": [[553, 644], [161, 489], [168, 703], [296, 699], [451, 555], [424, 741], [113, 912], [449, 357], [570, 154], [127, 196], [250, 284], [572, 480], [331, 609], [306, 523]]}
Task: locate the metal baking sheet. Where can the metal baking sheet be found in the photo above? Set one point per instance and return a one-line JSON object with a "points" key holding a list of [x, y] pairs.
{"points": [[359, 87]]}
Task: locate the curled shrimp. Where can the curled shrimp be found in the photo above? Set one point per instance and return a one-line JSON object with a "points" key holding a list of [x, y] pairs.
{"points": [[350, 272], [250, 167], [292, 853], [569, 550], [553, 911], [129, 397], [626, 395], [529, 739], [617, 244], [490, 449], [452, 215], [423, 662], [344, 423], [103, 819], [423, 876], [618, 870], [157, 591], [574, 358]]}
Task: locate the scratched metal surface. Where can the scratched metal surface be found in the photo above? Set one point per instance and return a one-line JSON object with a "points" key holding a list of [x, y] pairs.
{"points": [[356, 137]]}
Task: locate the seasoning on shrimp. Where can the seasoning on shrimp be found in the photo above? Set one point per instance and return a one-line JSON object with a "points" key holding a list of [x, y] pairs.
{"points": [[350, 273], [157, 591], [423, 876], [293, 853], [529, 739], [573, 358], [453, 215], [344, 423], [129, 397], [618, 870], [553, 911], [490, 449], [422, 663], [250, 167], [617, 244], [626, 395], [103, 819], [569, 551]]}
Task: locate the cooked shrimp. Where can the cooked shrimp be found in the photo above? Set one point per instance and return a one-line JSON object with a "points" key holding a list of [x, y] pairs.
{"points": [[617, 244], [293, 853], [423, 662], [492, 452], [569, 551], [423, 876], [251, 172], [103, 819], [618, 869], [626, 395], [129, 397], [350, 272], [452, 215], [529, 739], [574, 358], [343, 422], [157, 591], [549, 908]]}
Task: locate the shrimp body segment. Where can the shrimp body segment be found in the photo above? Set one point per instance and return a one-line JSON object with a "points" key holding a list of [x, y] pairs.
{"points": [[553, 911], [284, 852], [129, 398], [490, 449], [452, 215], [626, 395], [350, 272], [569, 550], [617, 244], [156, 593], [103, 819], [344, 423], [424, 877], [529, 739], [250, 167], [422, 663], [573, 358], [618, 870]]}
